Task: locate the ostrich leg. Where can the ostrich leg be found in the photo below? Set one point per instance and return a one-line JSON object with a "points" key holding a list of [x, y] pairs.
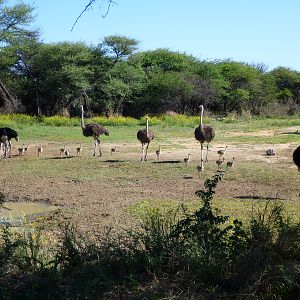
{"points": [[201, 162], [146, 152], [99, 145], [95, 145], [206, 159], [9, 146], [143, 150]]}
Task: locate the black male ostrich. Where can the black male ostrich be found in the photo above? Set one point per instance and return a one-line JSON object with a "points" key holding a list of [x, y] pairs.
{"points": [[204, 133], [145, 136], [296, 157], [94, 130], [6, 134]]}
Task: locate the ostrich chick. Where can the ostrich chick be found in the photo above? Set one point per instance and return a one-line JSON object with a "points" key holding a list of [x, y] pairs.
{"points": [[219, 162], [158, 152], [66, 152], [79, 149], [62, 150], [40, 150], [222, 151], [113, 150], [187, 159], [200, 169], [230, 164], [21, 150]]}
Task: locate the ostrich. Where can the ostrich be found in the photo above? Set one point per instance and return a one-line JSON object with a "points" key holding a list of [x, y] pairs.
{"points": [[94, 130], [204, 133], [158, 152], [6, 134], [187, 159], [145, 136], [230, 164], [222, 151], [40, 150], [296, 157]]}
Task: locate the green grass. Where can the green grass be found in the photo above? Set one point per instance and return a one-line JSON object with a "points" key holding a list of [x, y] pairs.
{"points": [[173, 134]]}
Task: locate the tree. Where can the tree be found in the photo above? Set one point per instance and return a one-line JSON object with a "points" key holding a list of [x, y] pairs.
{"points": [[119, 47], [165, 60], [58, 75], [14, 23], [288, 84], [123, 87], [242, 83]]}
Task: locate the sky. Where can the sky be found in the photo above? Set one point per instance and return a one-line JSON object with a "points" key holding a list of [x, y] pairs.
{"points": [[250, 31]]}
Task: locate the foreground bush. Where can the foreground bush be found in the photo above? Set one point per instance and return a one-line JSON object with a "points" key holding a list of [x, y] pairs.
{"points": [[176, 254]]}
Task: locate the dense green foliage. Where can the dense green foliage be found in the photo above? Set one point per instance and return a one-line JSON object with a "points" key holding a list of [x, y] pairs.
{"points": [[196, 254], [114, 78]]}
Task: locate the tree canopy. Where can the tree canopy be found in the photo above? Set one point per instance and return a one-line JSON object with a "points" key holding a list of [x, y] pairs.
{"points": [[115, 78]]}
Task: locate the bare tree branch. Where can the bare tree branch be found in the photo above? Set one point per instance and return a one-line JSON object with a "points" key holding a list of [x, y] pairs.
{"points": [[90, 3], [85, 9], [110, 2]]}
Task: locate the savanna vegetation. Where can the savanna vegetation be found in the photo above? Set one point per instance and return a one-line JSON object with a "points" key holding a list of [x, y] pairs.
{"points": [[187, 236], [152, 230], [115, 78]]}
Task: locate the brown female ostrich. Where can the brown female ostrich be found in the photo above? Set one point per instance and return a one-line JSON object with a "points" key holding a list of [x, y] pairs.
{"points": [[204, 133], [6, 134], [145, 136], [94, 130], [296, 157]]}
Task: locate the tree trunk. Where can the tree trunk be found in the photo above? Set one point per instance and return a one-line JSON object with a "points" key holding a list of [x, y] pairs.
{"points": [[8, 104]]}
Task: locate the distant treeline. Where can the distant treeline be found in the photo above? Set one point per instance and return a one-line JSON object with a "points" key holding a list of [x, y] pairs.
{"points": [[114, 78]]}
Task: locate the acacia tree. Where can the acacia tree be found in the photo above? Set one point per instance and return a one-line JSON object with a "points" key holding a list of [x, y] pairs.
{"points": [[118, 47]]}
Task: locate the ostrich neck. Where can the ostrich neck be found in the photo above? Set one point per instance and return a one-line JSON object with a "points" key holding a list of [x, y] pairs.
{"points": [[147, 127], [82, 121], [201, 115]]}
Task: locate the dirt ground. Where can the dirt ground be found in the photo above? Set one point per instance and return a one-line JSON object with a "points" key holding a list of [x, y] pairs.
{"points": [[104, 202]]}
